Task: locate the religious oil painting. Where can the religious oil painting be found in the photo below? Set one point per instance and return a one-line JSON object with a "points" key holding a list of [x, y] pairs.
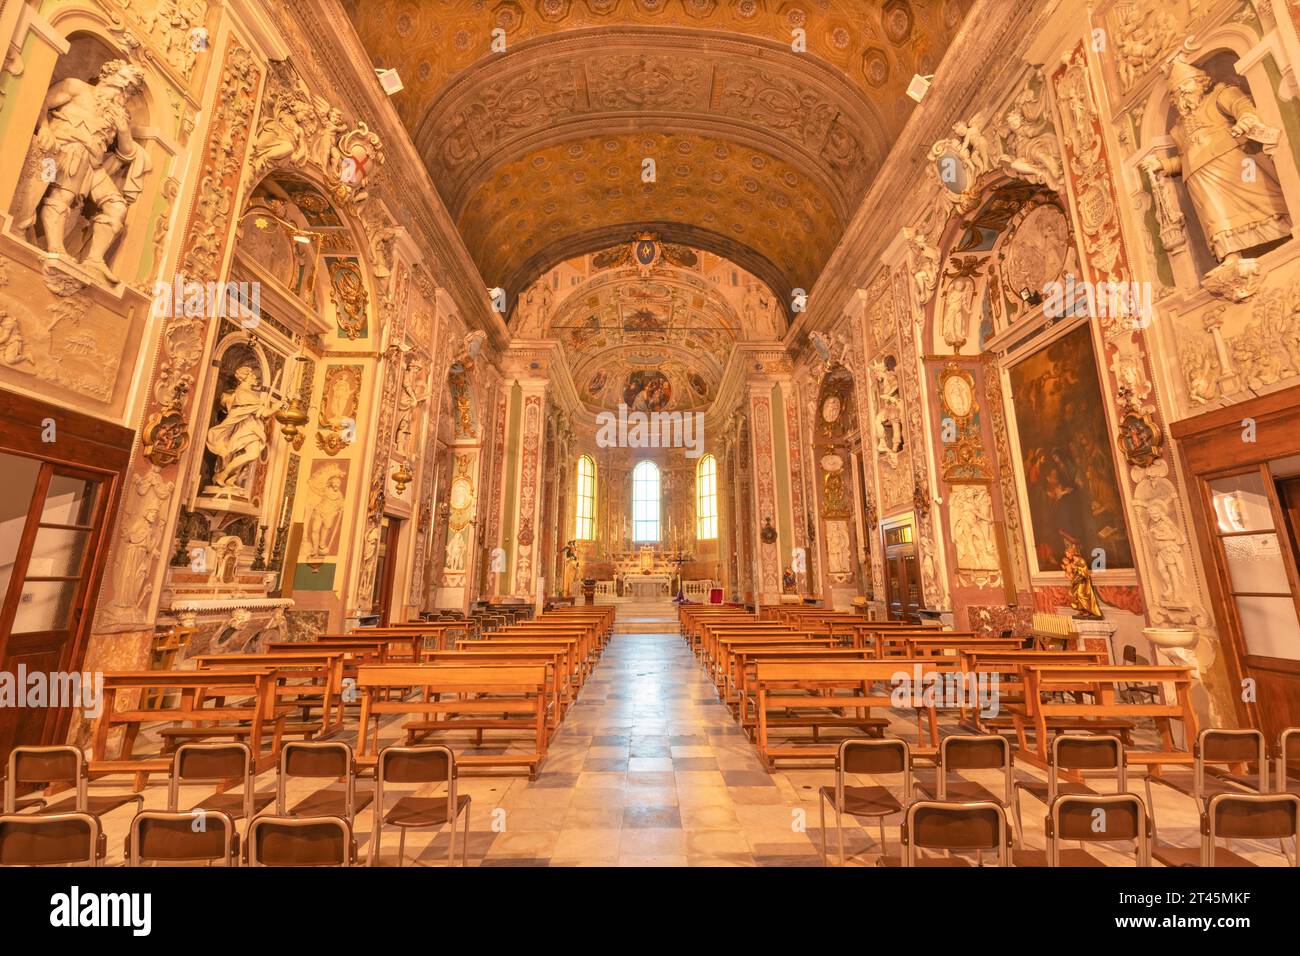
{"points": [[1066, 452]]}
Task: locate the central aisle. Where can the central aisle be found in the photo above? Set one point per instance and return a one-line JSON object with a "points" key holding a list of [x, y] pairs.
{"points": [[647, 769]]}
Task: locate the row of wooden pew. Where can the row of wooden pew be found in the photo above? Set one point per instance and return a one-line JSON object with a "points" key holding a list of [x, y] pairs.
{"points": [[519, 677], [796, 668]]}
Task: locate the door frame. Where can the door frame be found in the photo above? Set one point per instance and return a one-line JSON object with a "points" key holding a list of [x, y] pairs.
{"points": [[96, 449], [1205, 442]]}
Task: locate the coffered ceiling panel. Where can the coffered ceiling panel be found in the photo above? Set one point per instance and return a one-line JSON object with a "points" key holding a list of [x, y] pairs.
{"points": [[761, 149]]}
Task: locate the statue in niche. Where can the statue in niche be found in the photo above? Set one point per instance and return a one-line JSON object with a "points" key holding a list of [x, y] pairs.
{"points": [[240, 437], [1237, 213], [134, 561], [759, 310], [85, 136], [958, 299], [972, 528], [533, 311], [889, 414]]}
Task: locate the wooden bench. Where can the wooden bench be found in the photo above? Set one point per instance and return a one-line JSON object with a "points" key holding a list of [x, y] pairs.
{"points": [[803, 685], [307, 682], [459, 694], [574, 669], [747, 657], [1041, 713], [251, 720], [554, 659], [1011, 686]]}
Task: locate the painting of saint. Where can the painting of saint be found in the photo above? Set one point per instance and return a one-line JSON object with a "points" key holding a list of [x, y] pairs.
{"points": [[698, 385], [1065, 450], [647, 391], [597, 383]]}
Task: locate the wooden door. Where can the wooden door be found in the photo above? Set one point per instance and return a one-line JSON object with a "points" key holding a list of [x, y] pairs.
{"points": [[1252, 521], [385, 568], [53, 524], [903, 585], [60, 478]]}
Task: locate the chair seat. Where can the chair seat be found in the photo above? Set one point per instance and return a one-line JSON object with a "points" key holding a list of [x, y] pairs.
{"points": [[422, 811], [1038, 788], [1184, 781], [233, 803], [97, 806], [1191, 856], [870, 801], [927, 861], [328, 802], [1069, 857], [959, 791]]}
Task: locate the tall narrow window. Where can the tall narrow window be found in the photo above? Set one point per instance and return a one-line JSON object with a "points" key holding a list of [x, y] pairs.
{"points": [[706, 499], [645, 502], [584, 526]]}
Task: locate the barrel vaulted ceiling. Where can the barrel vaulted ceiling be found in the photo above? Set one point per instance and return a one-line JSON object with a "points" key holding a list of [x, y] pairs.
{"points": [[761, 153]]}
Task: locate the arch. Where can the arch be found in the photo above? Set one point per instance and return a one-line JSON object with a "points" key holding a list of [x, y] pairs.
{"points": [[645, 502], [584, 521], [706, 499]]}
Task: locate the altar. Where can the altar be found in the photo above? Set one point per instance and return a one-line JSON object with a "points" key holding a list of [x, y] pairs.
{"points": [[647, 586]]}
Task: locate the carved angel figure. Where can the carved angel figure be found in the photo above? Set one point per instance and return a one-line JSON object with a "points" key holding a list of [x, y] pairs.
{"points": [[286, 133], [1031, 150], [84, 135]]}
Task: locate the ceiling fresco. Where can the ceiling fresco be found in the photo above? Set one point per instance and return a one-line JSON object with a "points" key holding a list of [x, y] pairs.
{"points": [[654, 339], [761, 152]]}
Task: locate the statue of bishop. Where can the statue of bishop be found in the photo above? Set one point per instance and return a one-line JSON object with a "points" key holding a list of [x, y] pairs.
{"points": [[1237, 211]]}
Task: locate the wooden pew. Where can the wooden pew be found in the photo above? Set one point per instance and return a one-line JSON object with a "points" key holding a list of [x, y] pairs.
{"points": [[574, 670], [1044, 715], [726, 646], [251, 720], [747, 657], [399, 647], [1011, 686], [561, 689], [456, 692], [434, 635], [778, 685], [317, 685]]}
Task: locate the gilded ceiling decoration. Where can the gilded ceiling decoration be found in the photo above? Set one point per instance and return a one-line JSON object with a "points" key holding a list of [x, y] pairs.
{"points": [[761, 151], [652, 339], [733, 195]]}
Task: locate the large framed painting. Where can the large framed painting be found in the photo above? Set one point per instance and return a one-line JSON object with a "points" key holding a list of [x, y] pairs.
{"points": [[1065, 454]]}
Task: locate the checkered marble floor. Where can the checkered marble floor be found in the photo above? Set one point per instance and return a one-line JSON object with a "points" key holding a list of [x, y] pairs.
{"points": [[648, 768]]}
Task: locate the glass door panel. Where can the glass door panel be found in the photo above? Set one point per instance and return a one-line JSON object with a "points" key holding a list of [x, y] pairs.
{"points": [[18, 478]]}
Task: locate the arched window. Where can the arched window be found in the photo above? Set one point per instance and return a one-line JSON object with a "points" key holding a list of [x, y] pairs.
{"points": [[584, 525], [645, 502], [706, 499]]}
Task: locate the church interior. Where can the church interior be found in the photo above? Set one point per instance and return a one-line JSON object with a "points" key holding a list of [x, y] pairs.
{"points": [[674, 433]]}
